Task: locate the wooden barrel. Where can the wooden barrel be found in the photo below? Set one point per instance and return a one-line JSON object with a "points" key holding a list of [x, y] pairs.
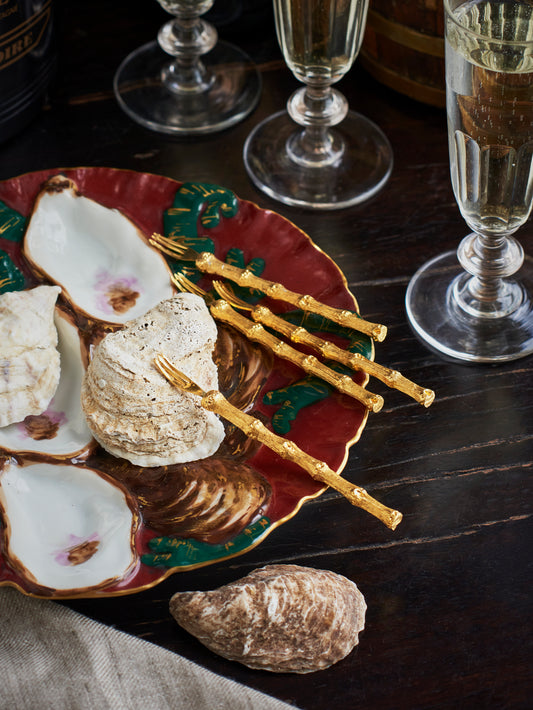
{"points": [[403, 47]]}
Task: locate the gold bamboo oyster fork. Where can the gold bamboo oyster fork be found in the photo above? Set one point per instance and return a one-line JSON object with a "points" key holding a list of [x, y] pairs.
{"points": [[222, 311], [209, 264], [214, 401], [355, 361]]}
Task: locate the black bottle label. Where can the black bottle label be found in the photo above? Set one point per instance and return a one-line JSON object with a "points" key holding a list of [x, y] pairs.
{"points": [[26, 60]]}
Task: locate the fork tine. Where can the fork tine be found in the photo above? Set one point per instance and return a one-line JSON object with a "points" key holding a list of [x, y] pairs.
{"points": [[176, 279], [165, 368], [186, 285], [228, 294], [174, 376], [168, 370], [161, 239], [166, 245], [173, 248]]}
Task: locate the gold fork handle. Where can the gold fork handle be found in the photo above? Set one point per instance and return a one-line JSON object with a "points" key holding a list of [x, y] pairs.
{"points": [[356, 361], [222, 311], [214, 401], [209, 264]]}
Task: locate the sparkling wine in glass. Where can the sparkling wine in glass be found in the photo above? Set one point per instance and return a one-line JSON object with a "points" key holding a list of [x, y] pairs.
{"points": [[187, 82], [318, 154], [476, 304]]}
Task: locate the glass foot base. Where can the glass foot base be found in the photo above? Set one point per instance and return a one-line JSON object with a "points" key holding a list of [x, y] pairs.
{"points": [[447, 329], [233, 91], [362, 168]]}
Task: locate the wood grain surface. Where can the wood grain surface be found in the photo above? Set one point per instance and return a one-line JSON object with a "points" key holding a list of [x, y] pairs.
{"points": [[449, 592]]}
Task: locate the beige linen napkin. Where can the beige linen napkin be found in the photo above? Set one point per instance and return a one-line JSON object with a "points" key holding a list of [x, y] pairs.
{"points": [[52, 658]]}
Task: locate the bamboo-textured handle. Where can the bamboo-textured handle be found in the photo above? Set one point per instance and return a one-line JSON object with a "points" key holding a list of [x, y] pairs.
{"points": [[214, 401], [222, 311], [298, 334], [208, 263]]}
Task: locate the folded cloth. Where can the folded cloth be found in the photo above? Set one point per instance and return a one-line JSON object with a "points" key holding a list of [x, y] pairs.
{"points": [[53, 658]]}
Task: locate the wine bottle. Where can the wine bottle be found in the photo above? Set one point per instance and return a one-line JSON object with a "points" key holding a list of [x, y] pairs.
{"points": [[27, 61]]}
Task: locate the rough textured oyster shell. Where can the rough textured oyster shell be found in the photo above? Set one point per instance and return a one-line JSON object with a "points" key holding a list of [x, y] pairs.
{"points": [[29, 359], [133, 412], [282, 618], [61, 428]]}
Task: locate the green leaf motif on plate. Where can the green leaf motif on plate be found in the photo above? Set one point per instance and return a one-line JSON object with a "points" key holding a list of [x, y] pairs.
{"points": [[195, 202], [12, 224], [204, 203], [11, 279], [310, 390], [183, 552]]}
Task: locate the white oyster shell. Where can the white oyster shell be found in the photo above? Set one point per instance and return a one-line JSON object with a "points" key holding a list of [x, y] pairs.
{"points": [[96, 254], [61, 429], [67, 528]]}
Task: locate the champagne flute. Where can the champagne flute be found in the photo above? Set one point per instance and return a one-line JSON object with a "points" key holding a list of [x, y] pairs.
{"points": [[483, 312], [318, 154], [207, 86]]}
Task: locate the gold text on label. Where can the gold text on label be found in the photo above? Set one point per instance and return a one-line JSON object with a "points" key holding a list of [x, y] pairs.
{"points": [[16, 43]]}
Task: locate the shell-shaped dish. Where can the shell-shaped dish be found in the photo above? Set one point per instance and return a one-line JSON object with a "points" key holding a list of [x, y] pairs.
{"points": [[61, 430], [100, 259], [212, 502], [66, 528]]}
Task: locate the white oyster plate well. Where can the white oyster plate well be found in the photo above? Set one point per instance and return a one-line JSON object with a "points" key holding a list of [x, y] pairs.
{"points": [[61, 430], [97, 255], [67, 528]]}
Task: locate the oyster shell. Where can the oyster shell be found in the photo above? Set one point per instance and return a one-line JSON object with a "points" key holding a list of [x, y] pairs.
{"points": [[282, 618], [97, 255], [133, 412], [29, 359], [61, 428], [66, 528]]}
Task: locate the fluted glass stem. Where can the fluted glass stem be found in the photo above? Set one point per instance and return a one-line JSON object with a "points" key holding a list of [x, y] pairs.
{"points": [[485, 291], [316, 108], [187, 81], [187, 39]]}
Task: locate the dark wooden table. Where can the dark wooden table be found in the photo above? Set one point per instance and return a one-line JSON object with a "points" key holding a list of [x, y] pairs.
{"points": [[449, 592]]}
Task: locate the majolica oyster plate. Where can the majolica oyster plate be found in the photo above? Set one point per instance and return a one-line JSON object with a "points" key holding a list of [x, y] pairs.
{"points": [[78, 522]]}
